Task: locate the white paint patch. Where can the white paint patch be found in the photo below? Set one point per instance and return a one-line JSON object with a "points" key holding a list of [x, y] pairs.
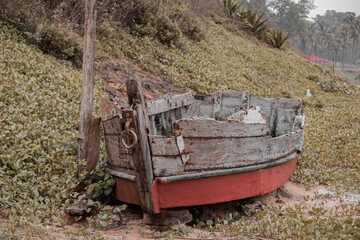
{"points": [[255, 115]]}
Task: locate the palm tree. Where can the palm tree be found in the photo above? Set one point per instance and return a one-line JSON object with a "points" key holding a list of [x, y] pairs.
{"points": [[323, 32], [352, 25], [312, 38]]}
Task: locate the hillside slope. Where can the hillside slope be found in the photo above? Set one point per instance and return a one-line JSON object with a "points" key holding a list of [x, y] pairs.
{"points": [[40, 107], [228, 60]]}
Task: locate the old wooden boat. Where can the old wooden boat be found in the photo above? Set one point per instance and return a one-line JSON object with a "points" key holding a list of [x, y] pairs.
{"points": [[188, 150]]}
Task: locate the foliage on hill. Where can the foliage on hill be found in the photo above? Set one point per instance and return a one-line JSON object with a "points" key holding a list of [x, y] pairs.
{"points": [[39, 104], [40, 108]]}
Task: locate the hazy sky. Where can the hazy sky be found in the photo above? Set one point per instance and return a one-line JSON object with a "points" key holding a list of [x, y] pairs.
{"points": [[337, 5]]}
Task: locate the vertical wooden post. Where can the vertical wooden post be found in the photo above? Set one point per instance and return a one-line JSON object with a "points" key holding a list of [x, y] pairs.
{"points": [[87, 88], [141, 152]]}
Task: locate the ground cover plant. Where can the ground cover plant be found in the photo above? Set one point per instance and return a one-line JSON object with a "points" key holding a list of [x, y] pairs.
{"points": [[39, 105]]}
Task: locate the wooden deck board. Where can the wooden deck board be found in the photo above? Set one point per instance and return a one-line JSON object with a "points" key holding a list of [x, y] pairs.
{"points": [[166, 104], [210, 128]]}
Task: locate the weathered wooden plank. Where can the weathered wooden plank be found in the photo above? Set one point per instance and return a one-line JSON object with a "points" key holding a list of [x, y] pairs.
{"points": [[166, 123], [163, 146], [233, 101], [167, 146], [202, 107], [112, 126], [181, 146], [244, 96], [168, 155], [217, 105], [286, 103], [210, 128], [178, 113], [153, 128], [167, 165], [285, 121], [141, 153], [286, 112], [117, 155], [222, 172], [122, 173], [266, 105], [184, 110], [213, 153], [222, 104], [206, 110], [273, 118], [120, 170], [299, 123], [109, 109], [92, 155], [172, 119], [193, 110], [280, 112], [166, 104]]}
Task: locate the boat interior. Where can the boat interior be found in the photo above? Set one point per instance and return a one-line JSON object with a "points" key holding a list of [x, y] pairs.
{"points": [[282, 115]]}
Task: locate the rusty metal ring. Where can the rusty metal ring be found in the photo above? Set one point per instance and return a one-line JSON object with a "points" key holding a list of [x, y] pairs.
{"points": [[125, 145]]}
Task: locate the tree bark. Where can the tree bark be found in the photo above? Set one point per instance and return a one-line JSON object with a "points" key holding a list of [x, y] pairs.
{"points": [[87, 88]]}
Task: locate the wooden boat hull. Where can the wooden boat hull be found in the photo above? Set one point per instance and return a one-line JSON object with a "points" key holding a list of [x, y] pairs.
{"points": [[187, 150], [208, 190]]}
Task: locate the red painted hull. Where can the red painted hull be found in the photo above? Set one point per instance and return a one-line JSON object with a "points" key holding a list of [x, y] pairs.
{"points": [[208, 190]]}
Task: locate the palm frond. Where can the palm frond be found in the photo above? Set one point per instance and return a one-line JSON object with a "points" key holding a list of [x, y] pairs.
{"points": [[277, 38], [232, 7], [257, 24]]}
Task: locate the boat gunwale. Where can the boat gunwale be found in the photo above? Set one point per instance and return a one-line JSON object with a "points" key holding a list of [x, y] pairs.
{"points": [[213, 173]]}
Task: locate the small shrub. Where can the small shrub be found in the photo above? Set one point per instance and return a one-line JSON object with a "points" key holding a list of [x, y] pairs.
{"points": [[145, 21], [314, 78], [168, 32], [277, 38], [60, 42], [141, 17], [142, 30], [190, 25], [31, 18], [316, 103], [256, 24], [231, 7], [194, 31], [144, 12], [286, 93]]}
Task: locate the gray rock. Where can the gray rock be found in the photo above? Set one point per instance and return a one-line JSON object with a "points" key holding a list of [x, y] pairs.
{"points": [[168, 217], [284, 193], [77, 209]]}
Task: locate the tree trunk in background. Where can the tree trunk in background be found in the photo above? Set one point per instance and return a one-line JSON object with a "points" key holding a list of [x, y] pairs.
{"points": [[87, 88]]}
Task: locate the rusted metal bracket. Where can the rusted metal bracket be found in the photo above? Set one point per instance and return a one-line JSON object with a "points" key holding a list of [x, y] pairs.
{"points": [[129, 137]]}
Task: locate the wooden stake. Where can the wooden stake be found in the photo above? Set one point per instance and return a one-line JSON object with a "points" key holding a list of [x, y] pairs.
{"points": [[87, 88]]}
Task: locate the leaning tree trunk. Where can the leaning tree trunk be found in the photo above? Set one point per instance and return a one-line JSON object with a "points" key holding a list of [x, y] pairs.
{"points": [[87, 88]]}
